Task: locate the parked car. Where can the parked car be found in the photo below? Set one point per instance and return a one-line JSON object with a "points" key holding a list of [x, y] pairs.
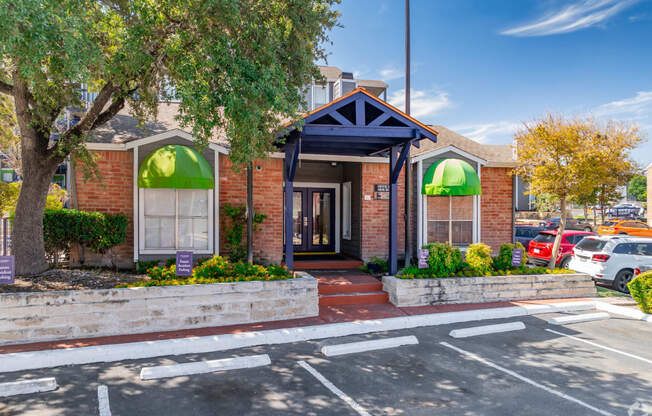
{"points": [[526, 233], [571, 224], [614, 260], [540, 249], [621, 227]]}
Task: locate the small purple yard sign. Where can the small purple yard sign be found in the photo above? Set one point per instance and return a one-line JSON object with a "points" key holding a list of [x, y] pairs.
{"points": [[184, 263], [517, 257], [7, 270], [423, 258]]}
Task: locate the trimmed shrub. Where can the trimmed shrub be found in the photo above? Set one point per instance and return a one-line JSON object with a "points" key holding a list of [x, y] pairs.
{"points": [[443, 259], [214, 270], [503, 261], [478, 256], [97, 231], [376, 265], [641, 290]]}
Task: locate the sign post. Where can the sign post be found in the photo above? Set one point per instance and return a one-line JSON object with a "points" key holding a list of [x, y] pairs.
{"points": [[184, 263], [7, 270], [517, 257], [424, 253]]}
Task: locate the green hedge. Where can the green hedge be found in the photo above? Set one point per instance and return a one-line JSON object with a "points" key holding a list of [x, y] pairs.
{"points": [[641, 290], [214, 270], [95, 230]]}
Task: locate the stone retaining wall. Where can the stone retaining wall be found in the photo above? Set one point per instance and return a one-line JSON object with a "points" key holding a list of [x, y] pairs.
{"points": [[46, 316], [420, 292]]}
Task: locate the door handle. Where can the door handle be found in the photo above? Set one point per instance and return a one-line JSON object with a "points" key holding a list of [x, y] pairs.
{"points": [[305, 221]]}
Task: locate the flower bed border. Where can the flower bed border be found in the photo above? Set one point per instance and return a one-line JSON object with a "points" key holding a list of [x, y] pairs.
{"points": [[46, 316], [448, 290]]}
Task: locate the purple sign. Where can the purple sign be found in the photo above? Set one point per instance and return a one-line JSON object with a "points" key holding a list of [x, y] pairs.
{"points": [[517, 257], [184, 263], [7, 270], [424, 253]]}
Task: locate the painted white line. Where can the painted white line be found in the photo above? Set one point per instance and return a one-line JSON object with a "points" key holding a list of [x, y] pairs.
{"points": [[486, 329], [636, 357], [333, 388], [362, 346], [624, 311], [202, 367], [574, 319], [526, 380], [28, 386], [103, 400], [23, 361]]}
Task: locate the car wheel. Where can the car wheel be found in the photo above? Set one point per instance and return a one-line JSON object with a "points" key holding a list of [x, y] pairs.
{"points": [[588, 229], [622, 278], [564, 263], [622, 233]]}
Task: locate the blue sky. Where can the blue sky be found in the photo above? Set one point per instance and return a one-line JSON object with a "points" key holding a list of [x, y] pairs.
{"points": [[484, 67]]}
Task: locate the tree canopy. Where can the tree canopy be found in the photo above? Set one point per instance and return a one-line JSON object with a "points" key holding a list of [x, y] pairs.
{"points": [[237, 66], [575, 159], [638, 187]]}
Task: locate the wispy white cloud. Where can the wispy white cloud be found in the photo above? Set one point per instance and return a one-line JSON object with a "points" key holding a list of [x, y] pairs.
{"points": [[497, 132], [389, 74], [577, 16], [422, 103], [637, 106]]}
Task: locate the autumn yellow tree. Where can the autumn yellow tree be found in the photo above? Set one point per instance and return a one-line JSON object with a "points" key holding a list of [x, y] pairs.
{"points": [[571, 158]]}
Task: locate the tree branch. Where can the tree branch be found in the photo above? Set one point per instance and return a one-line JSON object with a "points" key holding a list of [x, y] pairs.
{"points": [[109, 113]]}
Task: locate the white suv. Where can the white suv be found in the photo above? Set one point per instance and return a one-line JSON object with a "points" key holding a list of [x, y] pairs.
{"points": [[612, 259]]}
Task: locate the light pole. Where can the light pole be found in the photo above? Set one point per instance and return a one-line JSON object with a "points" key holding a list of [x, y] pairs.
{"points": [[408, 160]]}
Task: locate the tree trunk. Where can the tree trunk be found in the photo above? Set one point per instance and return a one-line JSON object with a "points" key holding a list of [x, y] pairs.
{"points": [[27, 238], [560, 231], [250, 213]]}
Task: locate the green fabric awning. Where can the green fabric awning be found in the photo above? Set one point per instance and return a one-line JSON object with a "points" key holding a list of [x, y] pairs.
{"points": [[452, 177], [175, 166]]}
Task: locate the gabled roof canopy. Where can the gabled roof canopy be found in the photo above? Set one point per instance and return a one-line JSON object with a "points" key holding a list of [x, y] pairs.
{"points": [[356, 124]]}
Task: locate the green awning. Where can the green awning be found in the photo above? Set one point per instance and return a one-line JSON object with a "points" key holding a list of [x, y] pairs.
{"points": [[452, 177], [175, 166]]}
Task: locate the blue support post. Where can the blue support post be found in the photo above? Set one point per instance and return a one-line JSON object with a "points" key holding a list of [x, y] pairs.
{"points": [[290, 165], [393, 209]]}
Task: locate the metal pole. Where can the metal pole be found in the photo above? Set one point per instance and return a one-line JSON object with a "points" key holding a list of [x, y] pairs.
{"points": [[408, 160], [250, 213]]}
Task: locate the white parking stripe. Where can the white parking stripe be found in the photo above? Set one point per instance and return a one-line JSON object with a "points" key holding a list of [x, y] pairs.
{"points": [[330, 386], [28, 386], [103, 400], [201, 367], [526, 380], [362, 346], [601, 346], [486, 329], [574, 319]]}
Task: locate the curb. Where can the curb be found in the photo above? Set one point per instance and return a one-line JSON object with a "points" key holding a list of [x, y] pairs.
{"points": [[148, 349]]}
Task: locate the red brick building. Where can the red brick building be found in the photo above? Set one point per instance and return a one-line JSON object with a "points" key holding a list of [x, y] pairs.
{"points": [[339, 203]]}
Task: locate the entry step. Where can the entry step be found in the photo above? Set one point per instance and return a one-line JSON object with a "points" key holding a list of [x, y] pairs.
{"points": [[354, 298]]}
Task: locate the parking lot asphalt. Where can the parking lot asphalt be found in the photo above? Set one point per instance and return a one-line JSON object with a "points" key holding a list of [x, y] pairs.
{"points": [[600, 367]]}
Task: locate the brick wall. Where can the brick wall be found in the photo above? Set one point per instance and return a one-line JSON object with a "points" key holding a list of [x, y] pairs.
{"points": [[375, 213], [114, 195], [268, 200], [496, 206]]}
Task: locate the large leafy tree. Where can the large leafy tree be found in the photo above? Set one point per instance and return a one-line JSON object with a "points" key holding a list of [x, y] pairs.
{"points": [[237, 66], [570, 159], [638, 187]]}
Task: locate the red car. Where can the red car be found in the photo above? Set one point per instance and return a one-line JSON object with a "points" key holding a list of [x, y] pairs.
{"points": [[540, 248]]}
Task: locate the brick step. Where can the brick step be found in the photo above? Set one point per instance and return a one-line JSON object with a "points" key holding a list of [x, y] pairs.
{"points": [[334, 289], [356, 298]]}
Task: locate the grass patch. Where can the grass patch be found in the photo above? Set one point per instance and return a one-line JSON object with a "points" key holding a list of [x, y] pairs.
{"points": [[604, 292]]}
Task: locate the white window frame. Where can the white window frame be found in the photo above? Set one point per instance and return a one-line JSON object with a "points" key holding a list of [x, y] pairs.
{"points": [[314, 86], [141, 222], [346, 210]]}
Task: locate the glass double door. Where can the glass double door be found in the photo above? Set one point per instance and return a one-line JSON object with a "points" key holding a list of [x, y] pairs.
{"points": [[313, 217]]}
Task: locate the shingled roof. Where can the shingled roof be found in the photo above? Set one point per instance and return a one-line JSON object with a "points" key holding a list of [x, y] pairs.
{"points": [[495, 155]]}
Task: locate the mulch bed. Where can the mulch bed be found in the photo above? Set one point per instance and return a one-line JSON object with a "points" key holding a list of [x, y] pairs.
{"points": [[71, 279]]}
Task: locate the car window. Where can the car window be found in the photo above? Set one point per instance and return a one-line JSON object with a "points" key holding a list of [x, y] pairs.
{"points": [[609, 223], [591, 244], [545, 238], [637, 225], [623, 248], [645, 249]]}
